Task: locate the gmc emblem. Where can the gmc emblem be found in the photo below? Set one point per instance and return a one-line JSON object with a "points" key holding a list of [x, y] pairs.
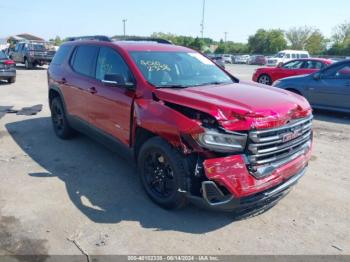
{"points": [[292, 135]]}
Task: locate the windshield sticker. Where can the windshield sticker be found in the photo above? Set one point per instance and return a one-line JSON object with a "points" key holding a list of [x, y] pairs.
{"points": [[153, 65], [201, 58]]}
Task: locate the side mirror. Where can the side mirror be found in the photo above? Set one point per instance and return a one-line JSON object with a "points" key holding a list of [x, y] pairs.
{"points": [[117, 80], [280, 65], [317, 76]]}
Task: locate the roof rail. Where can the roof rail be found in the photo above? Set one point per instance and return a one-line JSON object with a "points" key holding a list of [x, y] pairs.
{"points": [[90, 37], [144, 39]]}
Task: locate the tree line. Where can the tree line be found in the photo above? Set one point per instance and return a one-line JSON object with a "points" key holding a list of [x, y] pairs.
{"points": [[268, 42]]}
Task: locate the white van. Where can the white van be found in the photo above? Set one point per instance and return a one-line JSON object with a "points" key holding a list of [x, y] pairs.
{"points": [[285, 56]]}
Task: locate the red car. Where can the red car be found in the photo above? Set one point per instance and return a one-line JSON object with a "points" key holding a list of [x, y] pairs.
{"points": [[268, 75], [196, 132]]}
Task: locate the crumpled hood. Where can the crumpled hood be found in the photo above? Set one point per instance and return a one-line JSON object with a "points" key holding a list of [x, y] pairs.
{"points": [[240, 106]]}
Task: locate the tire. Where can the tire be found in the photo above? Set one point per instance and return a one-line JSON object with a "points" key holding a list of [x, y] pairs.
{"points": [[265, 80], [11, 80], [163, 174], [59, 120], [28, 64]]}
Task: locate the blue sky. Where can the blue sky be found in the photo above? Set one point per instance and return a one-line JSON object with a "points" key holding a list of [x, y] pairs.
{"points": [[48, 18]]}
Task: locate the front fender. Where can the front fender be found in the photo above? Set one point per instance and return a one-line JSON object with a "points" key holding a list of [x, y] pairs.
{"points": [[164, 121]]}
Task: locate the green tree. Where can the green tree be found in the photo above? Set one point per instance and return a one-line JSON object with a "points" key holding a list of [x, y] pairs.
{"points": [[298, 37], [197, 44], [316, 44], [341, 40], [267, 42]]}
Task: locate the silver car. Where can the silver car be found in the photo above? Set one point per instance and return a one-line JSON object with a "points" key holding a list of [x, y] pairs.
{"points": [[7, 68]]}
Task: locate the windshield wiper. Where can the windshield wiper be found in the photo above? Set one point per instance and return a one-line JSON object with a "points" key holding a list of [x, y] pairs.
{"points": [[215, 83], [172, 86]]}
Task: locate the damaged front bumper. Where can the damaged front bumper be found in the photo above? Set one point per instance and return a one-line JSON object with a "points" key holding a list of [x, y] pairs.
{"points": [[214, 198], [232, 187]]}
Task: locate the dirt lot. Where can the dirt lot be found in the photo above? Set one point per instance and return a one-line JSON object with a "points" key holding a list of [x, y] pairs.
{"points": [[56, 196]]}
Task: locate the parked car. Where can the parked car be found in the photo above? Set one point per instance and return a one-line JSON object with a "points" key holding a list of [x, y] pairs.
{"points": [[242, 59], [32, 54], [257, 60], [219, 60], [227, 59], [286, 56], [268, 75], [7, 68], [196, 132], [328, 88]]}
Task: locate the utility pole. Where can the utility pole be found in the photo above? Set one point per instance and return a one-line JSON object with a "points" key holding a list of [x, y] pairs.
{"points": [[202, 24], [124, 22], [225, 36]]}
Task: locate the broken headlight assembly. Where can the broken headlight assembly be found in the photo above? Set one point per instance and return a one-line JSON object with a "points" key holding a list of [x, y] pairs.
{"points": [[231, 142]]}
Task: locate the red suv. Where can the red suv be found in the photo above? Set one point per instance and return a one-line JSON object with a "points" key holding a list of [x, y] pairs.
{"points": [[197, 133]]}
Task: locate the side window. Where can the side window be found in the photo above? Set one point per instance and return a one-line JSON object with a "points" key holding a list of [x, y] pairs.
{"points": [[294, 56], [109, 62], [338, 72], [343, 73], [293, 65], [60, 55], [287, 56], [84, 60], [310, 64]]}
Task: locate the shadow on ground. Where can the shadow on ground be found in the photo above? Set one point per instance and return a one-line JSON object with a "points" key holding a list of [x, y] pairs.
{"points": [[333, 117], [101, 184], [22, 67]]}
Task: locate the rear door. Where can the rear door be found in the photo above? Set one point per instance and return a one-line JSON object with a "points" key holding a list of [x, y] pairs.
{"points": [[16, 53], [310, 66], [78, 84], [291, 68], [112, 105], [333, 89]]}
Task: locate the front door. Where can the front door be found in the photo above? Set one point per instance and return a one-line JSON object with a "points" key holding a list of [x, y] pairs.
{"points": [[333, 88], [112, 104]]}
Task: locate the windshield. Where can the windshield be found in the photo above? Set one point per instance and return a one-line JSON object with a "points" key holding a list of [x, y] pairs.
{"points": [[2, 55], [178, 69], [36, 47], [280, 55]]}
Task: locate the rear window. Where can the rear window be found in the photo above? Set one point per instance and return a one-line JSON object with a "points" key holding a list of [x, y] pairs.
{"points": [[84, 60], [36, 47], [61, 54]]}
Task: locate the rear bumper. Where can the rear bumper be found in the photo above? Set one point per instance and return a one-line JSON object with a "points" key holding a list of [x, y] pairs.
{"points": [[41, 60], [6, 73], [245, 204]]}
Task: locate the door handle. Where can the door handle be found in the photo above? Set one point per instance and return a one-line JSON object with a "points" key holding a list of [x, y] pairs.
{"points": [[92, 90]]}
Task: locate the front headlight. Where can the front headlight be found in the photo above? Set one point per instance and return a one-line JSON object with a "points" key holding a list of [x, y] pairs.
{"points": [[219, 142]]}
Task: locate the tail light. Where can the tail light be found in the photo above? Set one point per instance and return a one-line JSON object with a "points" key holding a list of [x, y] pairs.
{"points": [[9, 62]]}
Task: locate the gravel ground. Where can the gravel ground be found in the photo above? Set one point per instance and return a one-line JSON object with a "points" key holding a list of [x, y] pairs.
{"points": [[69, 197]]}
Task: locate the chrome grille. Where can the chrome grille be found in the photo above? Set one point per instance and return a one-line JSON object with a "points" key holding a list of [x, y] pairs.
{"points": [[271, 148]]}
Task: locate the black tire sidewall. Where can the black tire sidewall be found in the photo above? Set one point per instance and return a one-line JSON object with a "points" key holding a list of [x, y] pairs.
{"points": [[177, 199], [66, 131]]}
